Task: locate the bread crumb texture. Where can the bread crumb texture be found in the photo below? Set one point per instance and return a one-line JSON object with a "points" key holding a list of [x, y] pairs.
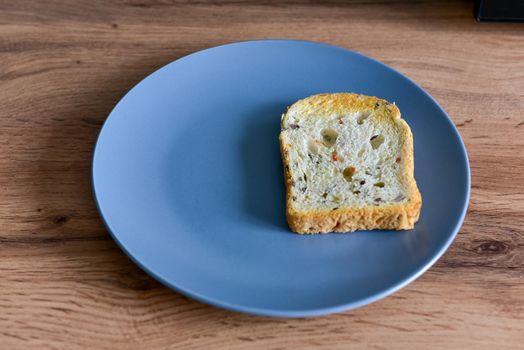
{"points": [[348, 165]]}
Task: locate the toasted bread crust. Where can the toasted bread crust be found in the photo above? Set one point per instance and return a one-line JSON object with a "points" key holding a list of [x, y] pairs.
{"points": [[391, 217]]}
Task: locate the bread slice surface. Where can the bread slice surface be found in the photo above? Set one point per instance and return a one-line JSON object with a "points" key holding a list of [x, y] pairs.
{"points": [[348, 165]]}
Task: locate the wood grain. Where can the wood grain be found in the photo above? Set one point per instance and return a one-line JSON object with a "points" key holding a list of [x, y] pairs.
{"points": [[64, 284]]}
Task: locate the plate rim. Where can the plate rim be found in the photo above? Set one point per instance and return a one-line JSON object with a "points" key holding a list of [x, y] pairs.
{"points": [[279, 312]]}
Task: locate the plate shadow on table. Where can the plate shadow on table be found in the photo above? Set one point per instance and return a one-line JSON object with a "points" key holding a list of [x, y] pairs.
{"points": [[64, 198], [64, 218]]}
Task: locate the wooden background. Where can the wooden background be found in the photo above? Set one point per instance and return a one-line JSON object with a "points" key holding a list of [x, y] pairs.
{"points": [[64, 284]]}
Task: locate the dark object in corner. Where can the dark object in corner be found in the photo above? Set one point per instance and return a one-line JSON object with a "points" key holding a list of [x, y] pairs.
{"points": [[499, 10]]}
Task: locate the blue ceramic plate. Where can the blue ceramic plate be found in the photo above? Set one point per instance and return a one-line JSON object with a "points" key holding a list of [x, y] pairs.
{"points": [[188, 179]]}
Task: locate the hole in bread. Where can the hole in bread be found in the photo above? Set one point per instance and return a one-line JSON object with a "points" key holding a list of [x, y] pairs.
{"points": [[329, 137], [379, 184], [399, 198], [349, 172], [362, 117], [376, 141]]}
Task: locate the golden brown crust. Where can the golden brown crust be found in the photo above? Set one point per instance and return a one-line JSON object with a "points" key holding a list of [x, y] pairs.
{"points": [[329, 104], [401, 216]]}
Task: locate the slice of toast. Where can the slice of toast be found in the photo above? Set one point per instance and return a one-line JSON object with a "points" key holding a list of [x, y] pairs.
{"points": [[348, 165]]}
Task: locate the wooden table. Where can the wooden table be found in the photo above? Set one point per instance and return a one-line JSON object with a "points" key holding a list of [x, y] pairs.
{"points": [[64, 284]]}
